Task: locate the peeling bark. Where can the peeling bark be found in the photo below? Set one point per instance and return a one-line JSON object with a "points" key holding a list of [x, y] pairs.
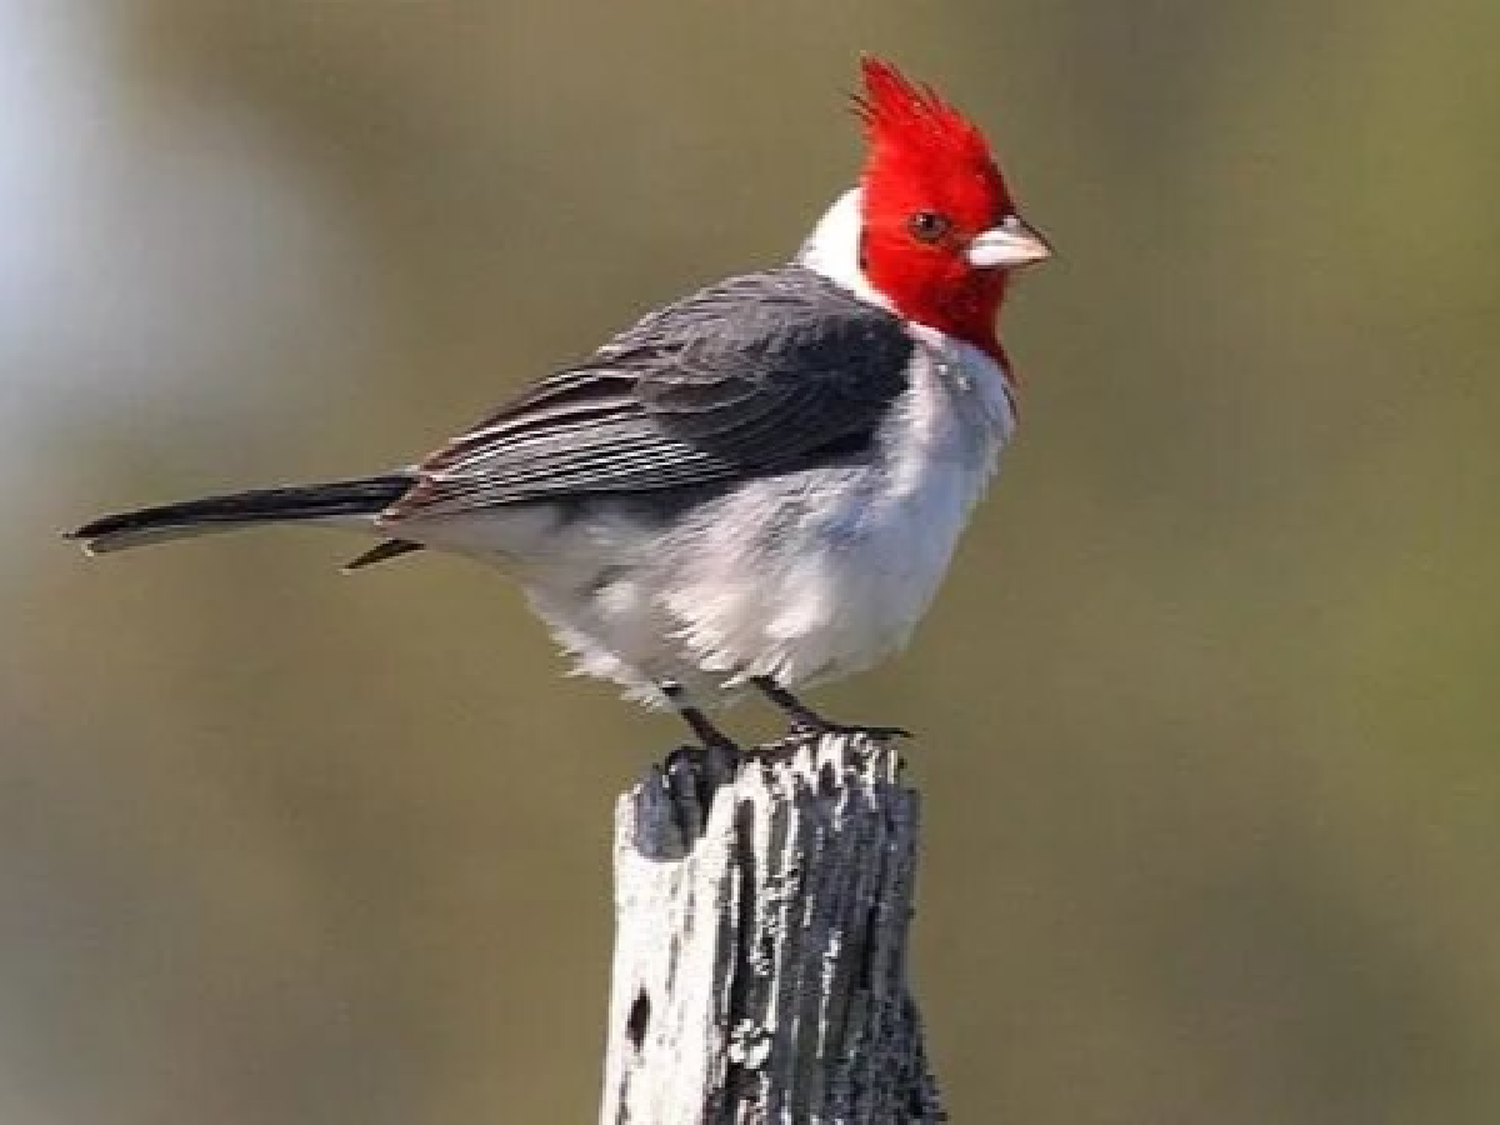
{"points": [[760, 970]]}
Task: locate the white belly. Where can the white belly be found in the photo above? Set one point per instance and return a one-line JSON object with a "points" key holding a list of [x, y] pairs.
{"points": [[803, 577]]}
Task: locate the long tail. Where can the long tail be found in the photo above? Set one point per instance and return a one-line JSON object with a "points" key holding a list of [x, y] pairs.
{"points": [[365, 497]]}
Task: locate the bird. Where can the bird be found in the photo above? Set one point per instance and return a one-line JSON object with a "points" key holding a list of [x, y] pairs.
{"points": [[759, 486]]}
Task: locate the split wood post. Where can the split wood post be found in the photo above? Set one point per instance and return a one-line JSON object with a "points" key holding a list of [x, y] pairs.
{"points": [[760, 966]]}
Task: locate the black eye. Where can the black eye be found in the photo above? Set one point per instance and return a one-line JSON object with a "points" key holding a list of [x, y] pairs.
{"points": [[929, 226]]}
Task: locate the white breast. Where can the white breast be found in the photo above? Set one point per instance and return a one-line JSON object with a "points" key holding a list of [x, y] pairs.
{"points": [[805, 577], [820, 574]]}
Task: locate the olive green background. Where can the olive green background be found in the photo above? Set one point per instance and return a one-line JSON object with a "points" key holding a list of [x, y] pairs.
{"points": [[1207, 707]]}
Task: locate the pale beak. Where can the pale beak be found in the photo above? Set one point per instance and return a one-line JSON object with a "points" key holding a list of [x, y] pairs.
{"points": [[1010, 245]]}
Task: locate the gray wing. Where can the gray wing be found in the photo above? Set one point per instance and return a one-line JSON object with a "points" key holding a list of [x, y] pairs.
{"points": [[761, 374]]}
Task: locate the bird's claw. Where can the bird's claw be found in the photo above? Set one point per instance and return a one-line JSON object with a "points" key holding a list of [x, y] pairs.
{"points": [[802, 732], [806, 729]]}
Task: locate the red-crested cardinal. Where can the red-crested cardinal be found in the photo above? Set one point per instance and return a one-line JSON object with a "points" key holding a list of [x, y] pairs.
{"points": [[761, 484]]}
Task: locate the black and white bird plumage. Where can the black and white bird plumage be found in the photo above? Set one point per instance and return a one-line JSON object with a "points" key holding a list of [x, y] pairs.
{"points": [[758, 375], [765, 478], [762, 483]]}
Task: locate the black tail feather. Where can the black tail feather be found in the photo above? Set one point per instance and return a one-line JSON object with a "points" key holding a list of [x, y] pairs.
{"points": [[364, 497]]}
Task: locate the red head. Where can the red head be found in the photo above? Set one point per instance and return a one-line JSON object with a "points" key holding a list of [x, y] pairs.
{"points": [[940, 230]]}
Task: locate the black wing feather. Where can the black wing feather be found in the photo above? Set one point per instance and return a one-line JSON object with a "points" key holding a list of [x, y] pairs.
{"points": [[761, 374]]}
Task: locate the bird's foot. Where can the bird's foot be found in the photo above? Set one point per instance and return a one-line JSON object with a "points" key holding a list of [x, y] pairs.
{"points": [[718, 755], [713, 744], [808, 728], [803, 728], [691, 778], [807, 724]]}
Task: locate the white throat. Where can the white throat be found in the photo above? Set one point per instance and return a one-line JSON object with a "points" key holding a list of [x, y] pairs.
{"points": [[832, 249]]}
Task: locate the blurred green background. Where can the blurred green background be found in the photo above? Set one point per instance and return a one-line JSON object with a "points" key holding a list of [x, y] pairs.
{"points": [[1208, 706]]}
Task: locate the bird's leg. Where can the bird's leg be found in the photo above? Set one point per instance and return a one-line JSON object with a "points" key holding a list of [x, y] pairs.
{"points": [[807, 721], [802, 716], [710, 736], [693, 775]]}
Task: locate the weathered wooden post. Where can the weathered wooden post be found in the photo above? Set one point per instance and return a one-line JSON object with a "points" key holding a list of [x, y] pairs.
{"points": [[760, 968]]}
